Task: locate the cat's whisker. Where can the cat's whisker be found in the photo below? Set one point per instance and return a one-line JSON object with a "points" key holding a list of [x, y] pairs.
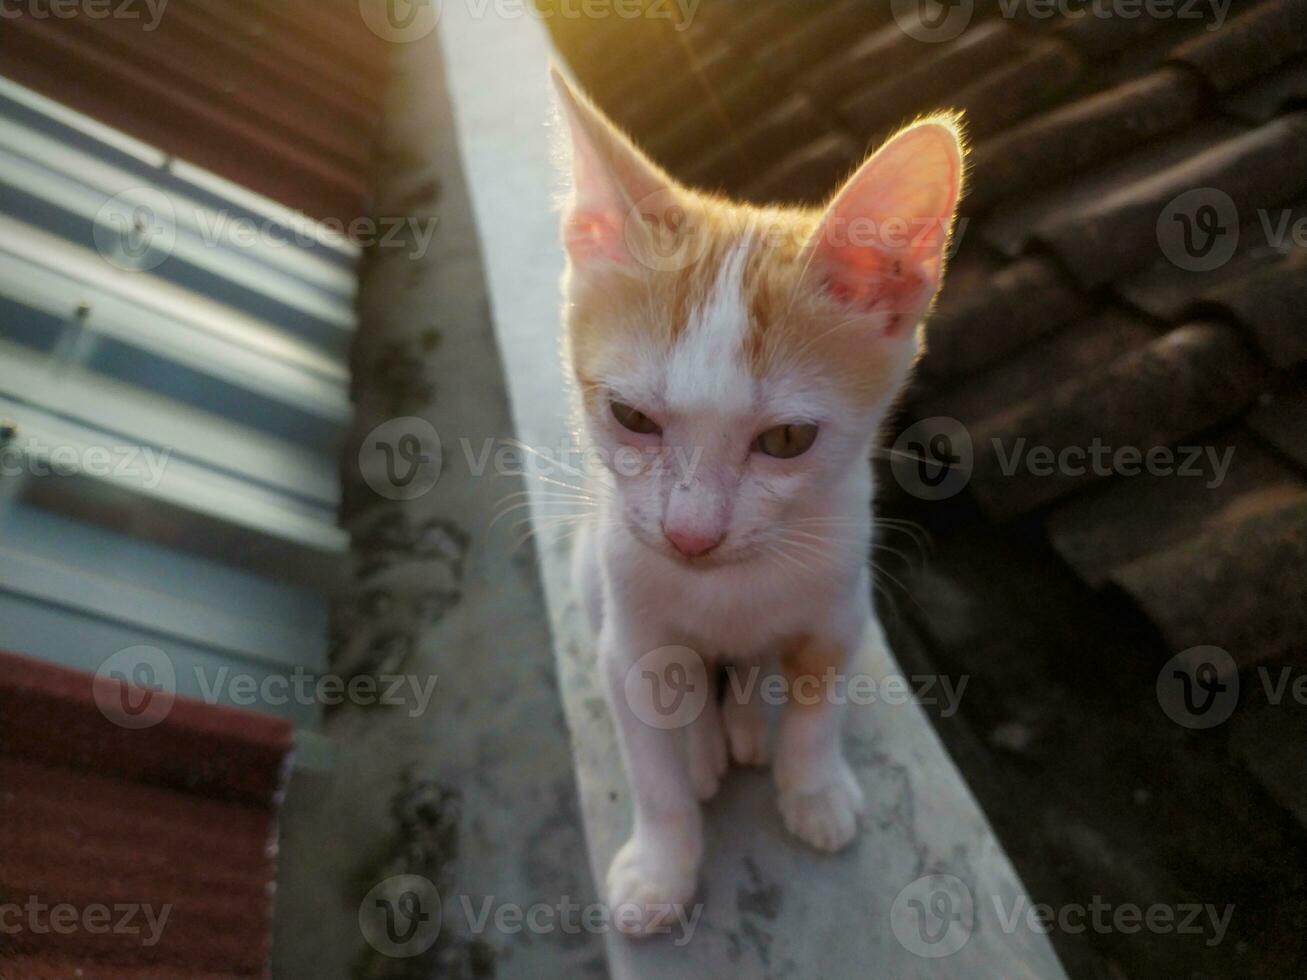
{"points": [[592, 508]]}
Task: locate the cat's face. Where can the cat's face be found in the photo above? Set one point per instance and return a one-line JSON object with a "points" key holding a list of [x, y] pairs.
{"points": [[734, 363]]}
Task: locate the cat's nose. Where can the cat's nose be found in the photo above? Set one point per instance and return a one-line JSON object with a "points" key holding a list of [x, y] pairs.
{"points": [[693, 545]]}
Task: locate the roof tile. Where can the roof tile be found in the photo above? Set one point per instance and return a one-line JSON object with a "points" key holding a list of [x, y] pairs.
{"points": [[1185, 381], [931, 81], [1103, 238], [1128, 519], [975, 327], [1199, 594], [1062, 142], [1262, 38], [1281, 419]]}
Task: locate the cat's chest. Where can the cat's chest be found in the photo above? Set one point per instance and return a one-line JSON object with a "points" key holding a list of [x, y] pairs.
{"points": [[733, 612]]}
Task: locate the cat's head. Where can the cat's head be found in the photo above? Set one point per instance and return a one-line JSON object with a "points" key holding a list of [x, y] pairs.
{"points": [[734, 363]]}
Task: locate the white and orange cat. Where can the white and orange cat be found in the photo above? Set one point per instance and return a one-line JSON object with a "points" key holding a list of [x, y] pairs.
{"points": [[755, 360]]}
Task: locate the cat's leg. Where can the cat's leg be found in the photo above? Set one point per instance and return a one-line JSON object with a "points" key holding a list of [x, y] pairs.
{"points": [[744, 713], [657, 869], [819, 796], [705, 741]]}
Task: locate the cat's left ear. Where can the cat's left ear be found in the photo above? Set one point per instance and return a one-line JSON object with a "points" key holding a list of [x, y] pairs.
{"points": [[882, 242], [610, 179]]}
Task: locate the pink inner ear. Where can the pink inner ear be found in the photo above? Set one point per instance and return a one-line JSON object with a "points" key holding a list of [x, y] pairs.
{"points": [[868, 280], [592, 236]]}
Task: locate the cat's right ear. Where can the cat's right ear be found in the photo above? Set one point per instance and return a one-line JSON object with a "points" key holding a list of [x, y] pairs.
{"points": [[612, 183]]}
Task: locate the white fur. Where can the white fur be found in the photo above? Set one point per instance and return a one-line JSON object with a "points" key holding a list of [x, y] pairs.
{"points": [[755, 591]]}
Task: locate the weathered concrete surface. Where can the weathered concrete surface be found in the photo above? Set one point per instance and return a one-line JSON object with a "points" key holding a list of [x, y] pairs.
{"points": [[475, 793]]}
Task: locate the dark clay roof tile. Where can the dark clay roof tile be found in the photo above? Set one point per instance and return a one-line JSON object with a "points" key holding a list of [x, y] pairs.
{"points": [[1010, 226], [1266, 98], [733, 161], [1185, 381], [808, 175], [1200, 593], [975, 327], [1063, 142], [819, 38], [1219, 480], [931, 80], [885, 50], [1112, 234], [1272, 302], [1022, 85], [1248, 45], [1281, 419], [1082, 347]]}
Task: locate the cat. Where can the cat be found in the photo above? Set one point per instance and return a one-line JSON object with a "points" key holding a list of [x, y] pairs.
{"points": [[744, 358]]}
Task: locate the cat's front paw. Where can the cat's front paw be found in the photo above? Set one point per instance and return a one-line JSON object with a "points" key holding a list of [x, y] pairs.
{"points": [[825, 817], [648, 888]]}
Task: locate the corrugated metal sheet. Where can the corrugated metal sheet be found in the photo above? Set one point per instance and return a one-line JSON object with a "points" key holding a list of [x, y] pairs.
{"points": [[193, 335], [280, 96]]}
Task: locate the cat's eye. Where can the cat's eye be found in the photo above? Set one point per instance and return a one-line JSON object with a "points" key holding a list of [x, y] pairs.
{"points": [[786, 441], [634, 419]]}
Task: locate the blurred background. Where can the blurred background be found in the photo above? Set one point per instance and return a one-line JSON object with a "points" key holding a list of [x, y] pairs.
{"points": [[266, 631]]}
